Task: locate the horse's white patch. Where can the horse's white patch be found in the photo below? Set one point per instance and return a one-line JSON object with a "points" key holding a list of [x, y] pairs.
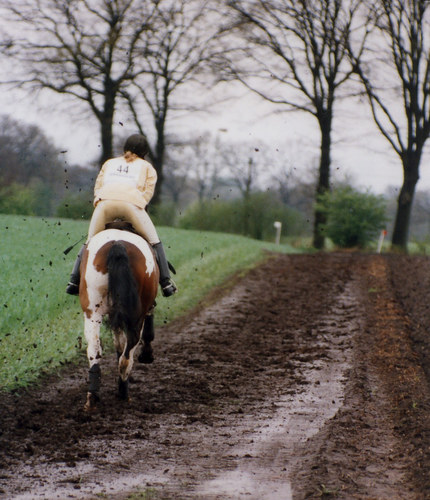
{"points": [[98, 288], [92, 336]]}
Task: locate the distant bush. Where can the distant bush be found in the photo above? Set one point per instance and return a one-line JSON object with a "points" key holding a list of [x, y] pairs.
{"points": [[164, 214], [17, 199], [36, 198], [218, 216], [354, 218], [76, 206], [253, 217]]}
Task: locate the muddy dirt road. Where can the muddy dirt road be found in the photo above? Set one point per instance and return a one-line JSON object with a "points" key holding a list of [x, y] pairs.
{"points": [[309, 378]]}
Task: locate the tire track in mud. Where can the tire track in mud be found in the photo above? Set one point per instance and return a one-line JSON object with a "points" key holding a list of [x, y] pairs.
{"points": [[277, 443], [361, 454], [267, 393]]}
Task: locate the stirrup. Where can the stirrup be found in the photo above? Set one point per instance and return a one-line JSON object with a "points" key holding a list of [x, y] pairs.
{"points": [[169, 288]]}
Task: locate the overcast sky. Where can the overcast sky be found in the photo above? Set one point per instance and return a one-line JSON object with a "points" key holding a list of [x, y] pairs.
{"points": [[359, 151]]}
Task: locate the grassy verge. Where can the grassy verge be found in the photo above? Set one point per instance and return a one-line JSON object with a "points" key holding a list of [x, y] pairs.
{"points": [[41, 327]]}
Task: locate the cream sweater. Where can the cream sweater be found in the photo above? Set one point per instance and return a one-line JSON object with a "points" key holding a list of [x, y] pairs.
{"points": [[133, 181]]}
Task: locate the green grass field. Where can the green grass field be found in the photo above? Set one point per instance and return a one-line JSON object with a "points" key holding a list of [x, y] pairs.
{"points": [[41, 327]]}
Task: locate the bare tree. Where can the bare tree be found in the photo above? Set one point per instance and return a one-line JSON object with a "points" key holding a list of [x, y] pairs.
{"points": [[195, 166], [295, 55], [31, 167], [296, 191], [26, 155], [243, 167], [108, 52], [178, 165], [178, 49], [175, 183], [398, 65], [420, 216], [89, 50], [246, 166]]}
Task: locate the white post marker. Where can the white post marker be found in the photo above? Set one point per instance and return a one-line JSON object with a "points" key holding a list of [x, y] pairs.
{"points": [[278, 227], [381, 240]]}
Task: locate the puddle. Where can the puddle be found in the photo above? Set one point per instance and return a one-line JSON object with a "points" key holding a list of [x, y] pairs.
{"points": [[51, 488]]}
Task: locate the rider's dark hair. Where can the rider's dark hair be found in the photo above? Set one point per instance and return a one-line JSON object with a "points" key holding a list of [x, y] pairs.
{"points": [[137, 144]]}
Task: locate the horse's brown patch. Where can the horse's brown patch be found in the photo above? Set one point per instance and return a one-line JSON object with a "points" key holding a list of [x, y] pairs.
{"points": [[100, 260], [83, 291], [138, 264]]}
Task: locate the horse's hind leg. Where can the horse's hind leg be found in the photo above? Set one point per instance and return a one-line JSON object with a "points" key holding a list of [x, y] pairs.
{"points": [[125, 362], [146, 354], [120, 341], [120, 346], [94, 354]]}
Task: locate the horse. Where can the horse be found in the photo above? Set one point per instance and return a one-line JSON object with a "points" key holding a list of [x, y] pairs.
{"points": [[119, 282]]}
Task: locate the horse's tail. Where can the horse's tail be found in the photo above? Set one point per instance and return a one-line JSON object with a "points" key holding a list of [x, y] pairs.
{"points": [[124, 304]]}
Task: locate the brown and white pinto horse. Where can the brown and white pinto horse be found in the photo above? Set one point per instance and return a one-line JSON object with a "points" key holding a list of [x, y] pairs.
{"points": [[119, 281]]}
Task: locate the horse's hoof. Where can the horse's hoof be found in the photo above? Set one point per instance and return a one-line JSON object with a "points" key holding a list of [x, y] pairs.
{"points": [[146, 356], [91, 404], [125, 398], [123, 389]]}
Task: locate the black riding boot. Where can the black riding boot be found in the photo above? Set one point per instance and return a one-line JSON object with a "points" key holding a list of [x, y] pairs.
{"points": [[75, 278], [168, 286]]}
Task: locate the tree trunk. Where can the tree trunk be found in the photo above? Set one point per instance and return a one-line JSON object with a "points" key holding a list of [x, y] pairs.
{"points": [[324, 176], [158, 160], [106, 122], [246, 214], [106, 137], [411, 163]]}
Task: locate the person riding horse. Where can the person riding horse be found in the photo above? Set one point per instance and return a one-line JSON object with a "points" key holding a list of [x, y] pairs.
{"points": [[123, 189]]}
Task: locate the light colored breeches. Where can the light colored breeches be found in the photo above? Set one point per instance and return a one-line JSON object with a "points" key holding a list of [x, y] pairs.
{"points": [[109, 210]]}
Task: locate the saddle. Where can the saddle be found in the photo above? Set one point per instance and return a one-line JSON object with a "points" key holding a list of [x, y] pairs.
{"points": [[123, 225]]}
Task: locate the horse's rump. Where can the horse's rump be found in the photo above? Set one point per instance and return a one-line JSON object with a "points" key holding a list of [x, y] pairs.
{"points": [[141, 272]]}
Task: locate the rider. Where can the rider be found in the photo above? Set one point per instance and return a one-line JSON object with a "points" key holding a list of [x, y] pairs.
{"points": [[123, 189]]}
